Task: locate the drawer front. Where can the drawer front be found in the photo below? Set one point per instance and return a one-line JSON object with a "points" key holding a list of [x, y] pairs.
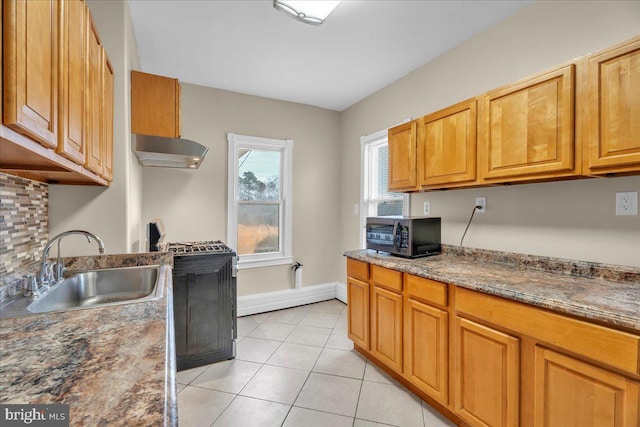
{"points": [[357, 269], [427, 290], [387, 278]]}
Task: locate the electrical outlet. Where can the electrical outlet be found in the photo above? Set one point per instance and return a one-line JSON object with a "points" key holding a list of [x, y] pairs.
{"points": [[427, 208], [627, 203], [481, 201]]}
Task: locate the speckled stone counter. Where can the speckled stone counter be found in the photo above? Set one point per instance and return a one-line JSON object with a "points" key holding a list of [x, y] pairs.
{"points": [[113, 365], [607, 294]]}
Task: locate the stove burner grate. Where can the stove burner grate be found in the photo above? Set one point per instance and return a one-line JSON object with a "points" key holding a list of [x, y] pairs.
{"points": [[205, 247]]}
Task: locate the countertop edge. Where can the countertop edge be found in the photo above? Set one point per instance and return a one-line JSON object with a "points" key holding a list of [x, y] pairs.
{"points": [[170, 398]]}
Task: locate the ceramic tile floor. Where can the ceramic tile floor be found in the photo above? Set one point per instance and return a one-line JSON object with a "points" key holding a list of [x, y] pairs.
{"points": [[297, 368]]}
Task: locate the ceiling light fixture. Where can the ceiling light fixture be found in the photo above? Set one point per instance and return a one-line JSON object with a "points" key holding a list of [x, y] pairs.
{"points": [[310, 12]]}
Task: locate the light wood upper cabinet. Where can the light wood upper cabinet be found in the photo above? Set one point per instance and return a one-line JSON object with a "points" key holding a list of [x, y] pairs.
{"points": [[403, 157], [107, 117], [155, 105], [54, 104], [30, 69], [527, 129], [486, 375], [569, 392], [73, 73], [447, 146], [94, 135], [612, 140]]}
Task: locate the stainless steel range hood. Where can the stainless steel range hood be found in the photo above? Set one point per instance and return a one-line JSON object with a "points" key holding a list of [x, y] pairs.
{"points": [[169, 152]]}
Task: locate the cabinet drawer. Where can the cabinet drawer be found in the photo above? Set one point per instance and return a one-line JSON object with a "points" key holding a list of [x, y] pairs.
{"points": [[587, 339], [390, 279], [427, 290], [357, 269]]}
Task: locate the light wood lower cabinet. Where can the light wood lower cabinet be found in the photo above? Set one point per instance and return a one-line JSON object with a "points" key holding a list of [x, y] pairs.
{"points": [[386, 327], [426, 346], [486, 375], [489, 361], [358, 312], [573, 393]]}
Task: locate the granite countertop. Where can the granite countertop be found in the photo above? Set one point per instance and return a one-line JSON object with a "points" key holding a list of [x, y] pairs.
{"points": [[603, 293], [113, 365]]}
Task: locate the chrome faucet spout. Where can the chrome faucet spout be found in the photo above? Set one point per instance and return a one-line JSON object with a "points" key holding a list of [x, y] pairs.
{"points": [[45, 273]]}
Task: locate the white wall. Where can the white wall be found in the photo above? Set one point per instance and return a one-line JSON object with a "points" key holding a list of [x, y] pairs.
{"points": [[193, 203], [112, 213], [573, 219]]}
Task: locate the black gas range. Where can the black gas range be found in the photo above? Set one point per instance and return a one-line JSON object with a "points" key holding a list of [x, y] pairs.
{"points": [[204, 300]]}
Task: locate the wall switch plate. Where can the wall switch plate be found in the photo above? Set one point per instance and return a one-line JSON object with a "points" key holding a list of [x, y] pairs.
{"points": [[427, 208], [627, 203], [356, 209], [481, 201]]}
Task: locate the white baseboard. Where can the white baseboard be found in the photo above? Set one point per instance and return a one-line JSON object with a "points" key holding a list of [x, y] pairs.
{"points": [[341, 292], [269, 301]]}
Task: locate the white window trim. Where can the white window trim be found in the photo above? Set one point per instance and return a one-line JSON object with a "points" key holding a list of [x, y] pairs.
{"points": [[365, 142], [286, 166]]}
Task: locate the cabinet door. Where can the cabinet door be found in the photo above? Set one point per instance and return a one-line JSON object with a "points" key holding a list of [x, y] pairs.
{"points": [[358, 312], [426, 349], [73, 70], [402, 157], [386, 327], [447, 146], [107, 118], [572, 393], [155, 105], [614, 111], [527, 129], [94, 161], [30, 67], [486, 375]]}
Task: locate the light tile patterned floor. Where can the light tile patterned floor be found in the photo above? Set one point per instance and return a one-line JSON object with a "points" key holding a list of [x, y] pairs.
{"points": [[297, 368]]}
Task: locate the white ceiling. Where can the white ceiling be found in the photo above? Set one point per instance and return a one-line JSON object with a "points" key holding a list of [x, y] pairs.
{"points": [[250, 47]]}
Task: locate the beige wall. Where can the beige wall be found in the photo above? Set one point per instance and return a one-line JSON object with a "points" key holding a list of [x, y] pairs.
{"points": [[574, 220], [193, 203], [112, 213]]}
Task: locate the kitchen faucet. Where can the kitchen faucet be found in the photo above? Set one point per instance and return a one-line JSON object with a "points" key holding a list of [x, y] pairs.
{"points": [[49, 275]]}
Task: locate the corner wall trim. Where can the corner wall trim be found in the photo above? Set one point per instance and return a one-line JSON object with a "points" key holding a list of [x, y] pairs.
{"points": [[269, 301]]}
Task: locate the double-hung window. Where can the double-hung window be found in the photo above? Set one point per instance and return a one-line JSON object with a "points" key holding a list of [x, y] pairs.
{"points": [[376, 199], [259, 200]]}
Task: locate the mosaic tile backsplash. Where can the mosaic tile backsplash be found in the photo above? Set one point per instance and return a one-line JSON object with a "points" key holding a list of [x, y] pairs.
{"points": [[24, 229]]}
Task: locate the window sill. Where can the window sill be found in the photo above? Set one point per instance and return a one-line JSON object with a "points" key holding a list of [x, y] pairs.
{"points": [[269, 262]]}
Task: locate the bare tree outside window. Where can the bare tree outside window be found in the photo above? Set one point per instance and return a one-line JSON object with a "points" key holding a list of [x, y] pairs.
{"points": [[259, 201]]}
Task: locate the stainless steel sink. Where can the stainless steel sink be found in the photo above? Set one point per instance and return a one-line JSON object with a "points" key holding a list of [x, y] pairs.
{"points": [[96, 288]]}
